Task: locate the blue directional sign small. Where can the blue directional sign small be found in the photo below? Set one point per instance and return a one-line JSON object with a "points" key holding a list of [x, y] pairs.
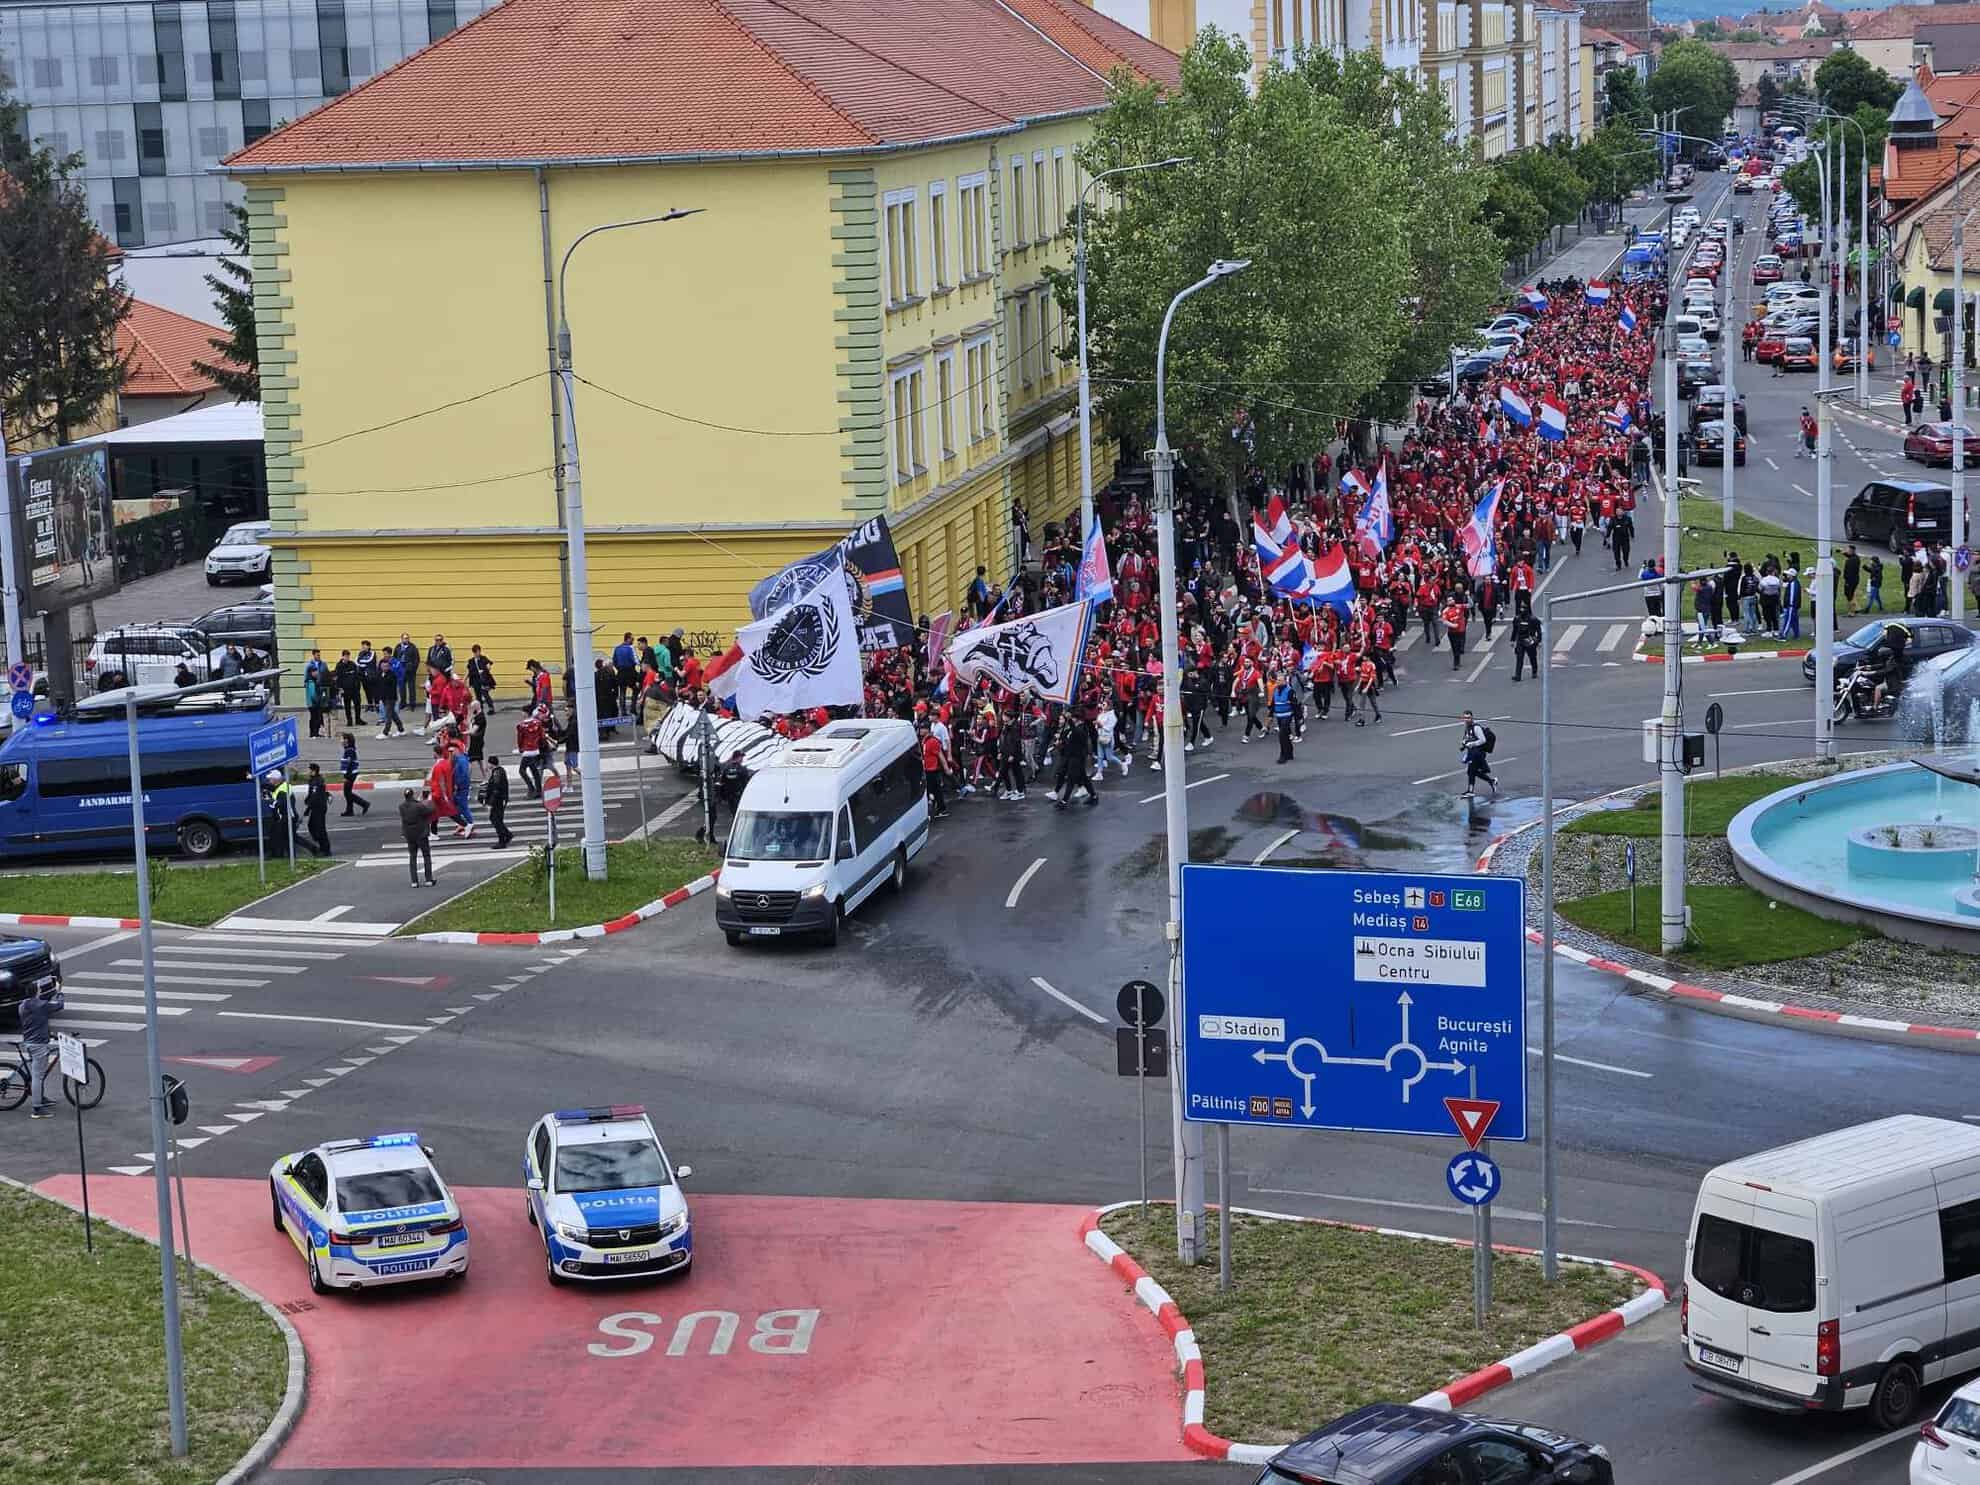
{"points": [[1473, 1177], [1352, 999], [22, 705], [273, 745]]}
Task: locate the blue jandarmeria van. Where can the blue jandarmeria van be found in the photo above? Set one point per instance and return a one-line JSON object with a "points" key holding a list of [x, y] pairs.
{"points": [[65, 785]]}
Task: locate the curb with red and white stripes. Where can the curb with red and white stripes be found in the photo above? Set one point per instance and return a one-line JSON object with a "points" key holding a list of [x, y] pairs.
{"points": [[1455, 1394], [58, 920], [590, 930], [1745, 1007], [1648, 659]]}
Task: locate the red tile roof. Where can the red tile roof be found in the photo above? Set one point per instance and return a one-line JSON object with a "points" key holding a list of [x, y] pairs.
{"points": [[1898, 22], [161, 347], [642, 79]]}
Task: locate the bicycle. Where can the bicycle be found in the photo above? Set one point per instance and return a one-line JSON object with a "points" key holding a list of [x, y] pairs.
{"points": [[16, 1084]]}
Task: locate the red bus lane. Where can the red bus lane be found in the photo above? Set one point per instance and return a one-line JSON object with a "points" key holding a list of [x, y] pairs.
{"points": [[810, 1331]]}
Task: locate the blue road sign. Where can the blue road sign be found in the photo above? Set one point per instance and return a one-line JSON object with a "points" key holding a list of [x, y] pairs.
{"points": [[1351, 999], [22, 704], [1473, 1177], [272, 746]]}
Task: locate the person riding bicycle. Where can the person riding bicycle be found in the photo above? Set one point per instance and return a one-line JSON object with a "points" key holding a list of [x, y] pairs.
{"points": [[34, 1014], [1885, 661]]}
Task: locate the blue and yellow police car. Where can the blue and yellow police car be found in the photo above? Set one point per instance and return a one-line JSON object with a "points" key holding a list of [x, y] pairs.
{"points": [[368, 1212], [604, 1196]]}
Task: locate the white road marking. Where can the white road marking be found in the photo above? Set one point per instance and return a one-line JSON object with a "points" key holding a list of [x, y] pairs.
{"points": [[207, 980], [287, 940], [1611, 637], [1019, 885], [1569, 637], [1455, 772], [267, 969], [247, 953], [1803, 490], [1192, 784], [1433, 727], [67, 1022], [1479, 669], [1763, 691], [1609, 1067], [1259, 859], [1770, 462], [304, 925], [1822, 1467], [1784, 722], [1065, 999], [99, 943], [328, 913], [134, 993], [163, 1010], [321, 1020]]}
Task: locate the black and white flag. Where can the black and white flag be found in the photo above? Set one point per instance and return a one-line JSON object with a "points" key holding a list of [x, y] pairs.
{"points": [[1038, 654], [804, 654]]}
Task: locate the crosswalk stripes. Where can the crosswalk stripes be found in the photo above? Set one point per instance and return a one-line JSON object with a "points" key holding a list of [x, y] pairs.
{"points": [[228, 968], [1565, 641], [1611, 637]]}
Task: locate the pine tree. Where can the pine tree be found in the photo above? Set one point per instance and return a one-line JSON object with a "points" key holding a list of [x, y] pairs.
{"points": [[59, 305], [237, 370]]}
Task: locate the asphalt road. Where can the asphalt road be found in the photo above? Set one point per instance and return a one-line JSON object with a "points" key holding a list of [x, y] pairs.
{"points": [[957, 1046]]}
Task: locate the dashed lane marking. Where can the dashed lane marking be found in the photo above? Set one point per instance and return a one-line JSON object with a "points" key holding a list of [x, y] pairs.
{"points": [[322, 1020]]}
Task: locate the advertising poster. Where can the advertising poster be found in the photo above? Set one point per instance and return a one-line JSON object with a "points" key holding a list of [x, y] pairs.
{"points": [[63, 524]]}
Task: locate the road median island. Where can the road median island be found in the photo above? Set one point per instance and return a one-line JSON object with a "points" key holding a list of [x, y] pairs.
{"points": [[82, 1376], [195, 896], [1323, 1317], [517, 901]]}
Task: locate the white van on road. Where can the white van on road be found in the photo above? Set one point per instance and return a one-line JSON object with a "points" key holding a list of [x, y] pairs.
{"points": [[1841, 1271], [835, 817]]}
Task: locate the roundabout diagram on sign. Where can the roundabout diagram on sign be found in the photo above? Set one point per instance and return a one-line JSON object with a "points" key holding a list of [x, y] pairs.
{"points": [[1405, 1056]]}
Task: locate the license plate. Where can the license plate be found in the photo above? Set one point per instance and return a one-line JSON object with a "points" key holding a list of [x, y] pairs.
{"points": [[400, 1239], [1722, 1359], [635, 1255], [766, 932], [46, 982]]}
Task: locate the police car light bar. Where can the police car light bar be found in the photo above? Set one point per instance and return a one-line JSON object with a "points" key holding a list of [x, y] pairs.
{"points": [[387, 1141], [600, 1115]]}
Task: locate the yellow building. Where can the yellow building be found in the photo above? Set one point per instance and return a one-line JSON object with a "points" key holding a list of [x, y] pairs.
{"points": [[855, 325]]}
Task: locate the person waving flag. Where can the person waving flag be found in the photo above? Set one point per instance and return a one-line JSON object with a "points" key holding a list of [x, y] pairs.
{"points": [[1516, 407], [1534, 300], [1627, 320], [1618, 417], [1553, 420], [1375, 527], [1476, 537], [1597, 293]]}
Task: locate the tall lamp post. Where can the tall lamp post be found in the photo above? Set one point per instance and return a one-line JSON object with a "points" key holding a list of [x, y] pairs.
{"points": [[1957, 371], [1188, 1137], [579, 618], [1085, 385]]}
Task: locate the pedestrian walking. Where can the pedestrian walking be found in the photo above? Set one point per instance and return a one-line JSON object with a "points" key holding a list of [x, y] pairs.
{"points": [[349, 765], [495, 794], [1282, 715], [316, 690], [463, 790], [1873, 584], [934, 773], [316, 805], [416, 820], [1077, 746], [481, 678], [34, 1013], [345, 674], [1475, 746], [1105, 728], [1526, 643], [1368, 685], [1455, 617], [477, 737]]}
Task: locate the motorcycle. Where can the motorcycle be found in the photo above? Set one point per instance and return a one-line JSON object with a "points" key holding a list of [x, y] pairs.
{"points": [[1856, 696]]}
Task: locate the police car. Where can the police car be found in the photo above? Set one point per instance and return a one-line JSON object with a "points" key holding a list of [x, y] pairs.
{"points": [[604, 1195], [368, 1212]]}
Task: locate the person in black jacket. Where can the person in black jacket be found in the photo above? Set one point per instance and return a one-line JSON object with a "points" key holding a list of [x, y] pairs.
{"points": [[495, 794], [407, 655], [350, 687], [481, 678], [416, 822], [316, 805], [1077, 745], [1526, 639]]}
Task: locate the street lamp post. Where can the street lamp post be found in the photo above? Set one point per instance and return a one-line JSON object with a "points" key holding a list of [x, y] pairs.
{"points": [[1825, 596], [1188, 1137], [1085, 385], [579, 618]]}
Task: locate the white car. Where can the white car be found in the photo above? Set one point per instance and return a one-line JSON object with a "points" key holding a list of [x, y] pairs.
{"points": [[368, 1212], [1948, 1448], [1707, 317], [148, 654], [1702, 286], [241, 556], [604, 1196]]}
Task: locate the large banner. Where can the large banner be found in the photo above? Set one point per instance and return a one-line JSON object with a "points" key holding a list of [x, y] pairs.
{"points": [[805, 654], [874, 585], [63, 525], [1038, 654]]}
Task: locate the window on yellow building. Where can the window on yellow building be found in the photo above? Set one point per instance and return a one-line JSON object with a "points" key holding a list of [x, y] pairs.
{"points": [[945, 402], [910, 452], [972, 201], [902, 272], [1048, 338], [1021, 350], [1018, 235], [1058, 192], [938, 232], [979, 368], [1040, 224]]}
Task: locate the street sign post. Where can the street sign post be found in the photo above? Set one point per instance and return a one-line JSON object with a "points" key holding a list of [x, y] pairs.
{"points": [[271, 747], [21, 704], [1399, 990], [75, 1067], [1473, 1177], [1141, 1007], [553, 799], [20, 676], [1629, 872], [1715, 718]]}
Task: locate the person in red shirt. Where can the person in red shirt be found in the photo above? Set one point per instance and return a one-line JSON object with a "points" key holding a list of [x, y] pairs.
{"points": [[933, 773], [1385, 651], [1367, 685], [1455, 618], [1322, 675], [440, 784], [1427, 593]]}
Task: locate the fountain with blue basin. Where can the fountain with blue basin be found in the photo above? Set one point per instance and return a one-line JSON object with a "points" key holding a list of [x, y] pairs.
{"points": [[1895, 847]]}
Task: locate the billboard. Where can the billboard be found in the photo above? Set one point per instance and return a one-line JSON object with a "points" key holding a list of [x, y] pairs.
{"points": [[63, 527]]}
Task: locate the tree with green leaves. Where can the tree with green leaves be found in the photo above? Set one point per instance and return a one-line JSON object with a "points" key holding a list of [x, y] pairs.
{"points": [[1515, 215], [1803, 179], [1552, 179], [237, 369], [1692, 77], [1797, 87], [1847, 82], [1285, 176], [1614, 162], [1626, 99], [1454, 259], [1768, 92], [59, 306]]}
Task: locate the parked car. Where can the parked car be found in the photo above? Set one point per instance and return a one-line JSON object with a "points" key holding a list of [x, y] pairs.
{"points": [[1711, 441], [1707, 317], [241, 555], [1843, 357], [1948, 1448], [249, 625], [1930, 638], [27, 965], [1932, 443], [1700, 286], [1798, 354], [1691, 375], [1900, 513], [1395, 1444], [1710, 402], [1767, 269], [1769, 346], [148, 654]]}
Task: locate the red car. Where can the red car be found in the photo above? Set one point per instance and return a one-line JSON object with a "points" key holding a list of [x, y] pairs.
{"points": [[1769, 348], [1798, 354], [1931, 443], [1707, 268], [1766, 273]]}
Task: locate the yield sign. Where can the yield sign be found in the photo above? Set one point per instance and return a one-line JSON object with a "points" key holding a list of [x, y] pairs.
{"points": [[1473, 1116], [228, 1064]]}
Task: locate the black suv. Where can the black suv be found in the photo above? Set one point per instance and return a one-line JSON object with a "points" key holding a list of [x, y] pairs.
{"points": [[26, 965], [249, 625], [1391, 1444], [1710, 403], [1899, 512]]}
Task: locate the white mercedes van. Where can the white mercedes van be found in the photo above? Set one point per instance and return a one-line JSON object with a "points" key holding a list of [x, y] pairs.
{"points": [[1841, 1271], [822, 828]]}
